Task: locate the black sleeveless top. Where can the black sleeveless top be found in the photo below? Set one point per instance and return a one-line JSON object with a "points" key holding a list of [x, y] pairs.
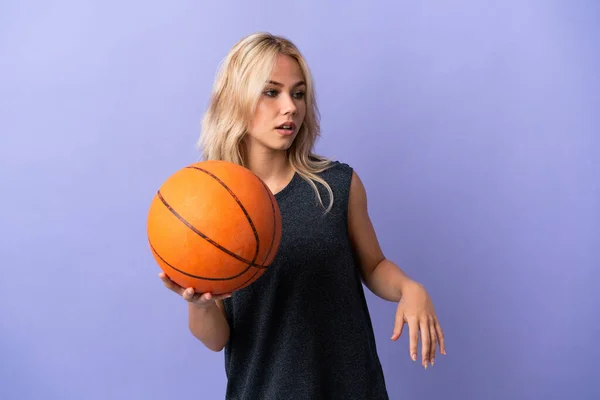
{"points": [[303, 331]]}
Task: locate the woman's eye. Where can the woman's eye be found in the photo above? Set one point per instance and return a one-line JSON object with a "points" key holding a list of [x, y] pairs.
{"points": [[274, 93]]}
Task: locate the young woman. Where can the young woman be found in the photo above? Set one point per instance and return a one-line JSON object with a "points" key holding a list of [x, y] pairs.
{"points": [[303, 330]]}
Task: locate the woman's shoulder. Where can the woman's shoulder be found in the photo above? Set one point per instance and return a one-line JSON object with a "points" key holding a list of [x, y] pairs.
{"points": [[338, 174], [339, 167], [331, 164]]}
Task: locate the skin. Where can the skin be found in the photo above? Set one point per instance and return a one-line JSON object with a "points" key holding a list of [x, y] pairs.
{"points": [[283, 100]]}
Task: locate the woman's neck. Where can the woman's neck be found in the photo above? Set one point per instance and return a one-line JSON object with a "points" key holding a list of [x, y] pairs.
{"points": [[272, 166]]}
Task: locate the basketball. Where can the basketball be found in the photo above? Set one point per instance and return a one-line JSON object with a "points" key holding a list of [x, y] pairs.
{"points": [[214, 226]]}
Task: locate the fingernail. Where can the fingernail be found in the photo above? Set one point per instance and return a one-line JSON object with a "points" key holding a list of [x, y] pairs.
{"points": [[432, 360], [414, 357]]}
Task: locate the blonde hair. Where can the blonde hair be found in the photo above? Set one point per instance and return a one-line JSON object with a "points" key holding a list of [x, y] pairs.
{"points": [[240, 80]]}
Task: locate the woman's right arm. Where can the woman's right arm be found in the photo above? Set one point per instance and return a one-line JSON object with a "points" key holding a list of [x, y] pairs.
{"points": [[206, 315], [209, 325]]}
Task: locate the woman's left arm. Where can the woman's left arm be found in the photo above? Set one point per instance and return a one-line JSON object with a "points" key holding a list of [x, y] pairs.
{"points": [[386, 280]]}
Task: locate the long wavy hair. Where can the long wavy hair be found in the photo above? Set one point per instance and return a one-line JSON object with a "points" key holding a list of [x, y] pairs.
{"points": [[240, 80]]}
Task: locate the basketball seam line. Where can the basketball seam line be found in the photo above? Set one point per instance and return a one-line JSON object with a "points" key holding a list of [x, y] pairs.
{"points": [[204, 236], [238, 201], [198, 276], [272, 237], [274, 220]]}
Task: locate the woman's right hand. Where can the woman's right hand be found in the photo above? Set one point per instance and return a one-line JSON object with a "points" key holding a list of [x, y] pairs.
{"points": [[201, 300]]}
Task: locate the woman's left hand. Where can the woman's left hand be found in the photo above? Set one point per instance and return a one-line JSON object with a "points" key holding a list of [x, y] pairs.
{"points": [[416, 309]]}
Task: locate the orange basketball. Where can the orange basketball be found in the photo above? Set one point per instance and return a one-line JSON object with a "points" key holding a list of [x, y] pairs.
{"points": [[214, 226]]}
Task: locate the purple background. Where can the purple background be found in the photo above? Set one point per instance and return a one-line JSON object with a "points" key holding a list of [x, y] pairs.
{"points": [[474, 124]]}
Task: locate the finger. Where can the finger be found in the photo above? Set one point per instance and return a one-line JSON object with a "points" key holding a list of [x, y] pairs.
{"points": [[203, 297], [398, 325], [440, 335], [170, 284], [163, 277], [193, 296], [413, 328], [434, 340], [189, 294], [222, 296], [425, 342]]}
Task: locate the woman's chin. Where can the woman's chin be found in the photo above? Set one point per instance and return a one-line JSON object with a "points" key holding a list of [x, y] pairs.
{"points": [[275, 143]]}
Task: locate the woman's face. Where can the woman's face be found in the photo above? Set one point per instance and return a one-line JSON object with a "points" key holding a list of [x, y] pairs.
{"points": [[281, 108]]}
